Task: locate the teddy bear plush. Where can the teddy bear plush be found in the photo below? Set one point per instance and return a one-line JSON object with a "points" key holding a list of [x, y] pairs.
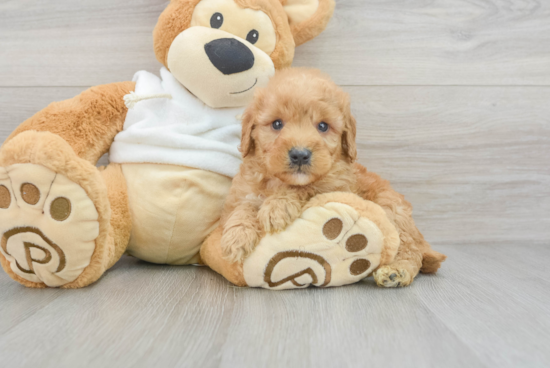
{"points": [[173, 144]]}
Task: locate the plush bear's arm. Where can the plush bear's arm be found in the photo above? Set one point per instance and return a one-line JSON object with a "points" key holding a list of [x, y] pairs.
{"points": [[88, 122]]}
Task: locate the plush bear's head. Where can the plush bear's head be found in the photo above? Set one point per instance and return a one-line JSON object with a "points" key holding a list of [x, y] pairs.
{"points": [[222, 50]]}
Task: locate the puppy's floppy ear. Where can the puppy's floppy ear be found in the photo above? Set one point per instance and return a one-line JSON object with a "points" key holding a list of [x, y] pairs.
{"points": [[247, 142], [349, 147], [307, 18]]}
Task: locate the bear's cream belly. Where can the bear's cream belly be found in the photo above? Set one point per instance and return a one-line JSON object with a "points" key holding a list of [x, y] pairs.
{"points": [[173, 209]]}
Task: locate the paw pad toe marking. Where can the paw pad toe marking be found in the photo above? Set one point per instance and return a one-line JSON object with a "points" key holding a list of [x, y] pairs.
{"points": [[5, 198], [60, 209], [359, 266], [356, 243], [333, 228], [30, 193]]}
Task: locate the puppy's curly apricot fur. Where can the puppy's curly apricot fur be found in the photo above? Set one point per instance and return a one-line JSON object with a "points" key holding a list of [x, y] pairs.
{"points": [[302, 111]]}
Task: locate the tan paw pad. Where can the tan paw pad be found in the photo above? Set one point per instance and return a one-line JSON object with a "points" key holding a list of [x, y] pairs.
{"points": [[48, 224], [327, 246]]}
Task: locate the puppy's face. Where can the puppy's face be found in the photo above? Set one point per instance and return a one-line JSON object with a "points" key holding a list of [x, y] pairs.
{"points": [[299, 127]]}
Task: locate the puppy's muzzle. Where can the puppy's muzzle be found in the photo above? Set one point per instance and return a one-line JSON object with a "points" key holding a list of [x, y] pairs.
{"points": [[299, 157]]}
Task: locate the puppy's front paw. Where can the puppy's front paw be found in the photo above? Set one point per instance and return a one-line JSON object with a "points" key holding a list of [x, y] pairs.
{"points": [[391, 277], [276, 214], [238, 242]]}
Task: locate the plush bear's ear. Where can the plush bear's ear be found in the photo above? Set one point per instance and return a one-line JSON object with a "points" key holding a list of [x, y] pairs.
{"points": [[307, 18], [175, 19]]}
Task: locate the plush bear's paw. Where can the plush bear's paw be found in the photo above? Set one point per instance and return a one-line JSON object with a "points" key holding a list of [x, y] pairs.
{"points": [[276, 214], [391, 277], [238, 242], [329, 245], [48, 225]]}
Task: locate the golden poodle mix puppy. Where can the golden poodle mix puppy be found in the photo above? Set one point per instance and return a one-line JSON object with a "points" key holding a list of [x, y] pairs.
{"points": [[298, 141]]}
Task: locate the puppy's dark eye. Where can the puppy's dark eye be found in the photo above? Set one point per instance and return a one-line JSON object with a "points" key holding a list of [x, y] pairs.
{"points": [[216, 21], [253, 36], [277, 125], [323, 127]]}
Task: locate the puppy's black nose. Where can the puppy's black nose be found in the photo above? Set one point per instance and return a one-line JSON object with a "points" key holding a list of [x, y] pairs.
{"points": [[299, 156], [229, 55]]}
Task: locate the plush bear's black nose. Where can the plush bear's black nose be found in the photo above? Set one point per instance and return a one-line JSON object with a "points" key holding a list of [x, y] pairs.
{"points": [[299, 157], [229, 55]]}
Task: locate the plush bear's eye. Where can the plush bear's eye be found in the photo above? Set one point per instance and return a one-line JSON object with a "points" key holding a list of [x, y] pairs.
{"points": [[216, 21], [277, 125], [253, 36], [323, 127]]}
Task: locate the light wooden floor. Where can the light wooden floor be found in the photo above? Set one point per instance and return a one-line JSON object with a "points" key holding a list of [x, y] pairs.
{"points": [[489, 307], [452, 99]]}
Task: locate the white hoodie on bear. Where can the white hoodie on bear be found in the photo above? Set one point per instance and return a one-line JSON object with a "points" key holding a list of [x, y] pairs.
{"points": [[166, 124]]}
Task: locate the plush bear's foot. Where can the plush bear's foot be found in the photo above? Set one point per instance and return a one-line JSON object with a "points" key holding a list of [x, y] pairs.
{"points": [[339, 239], [390, 276], [49, 225]]}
